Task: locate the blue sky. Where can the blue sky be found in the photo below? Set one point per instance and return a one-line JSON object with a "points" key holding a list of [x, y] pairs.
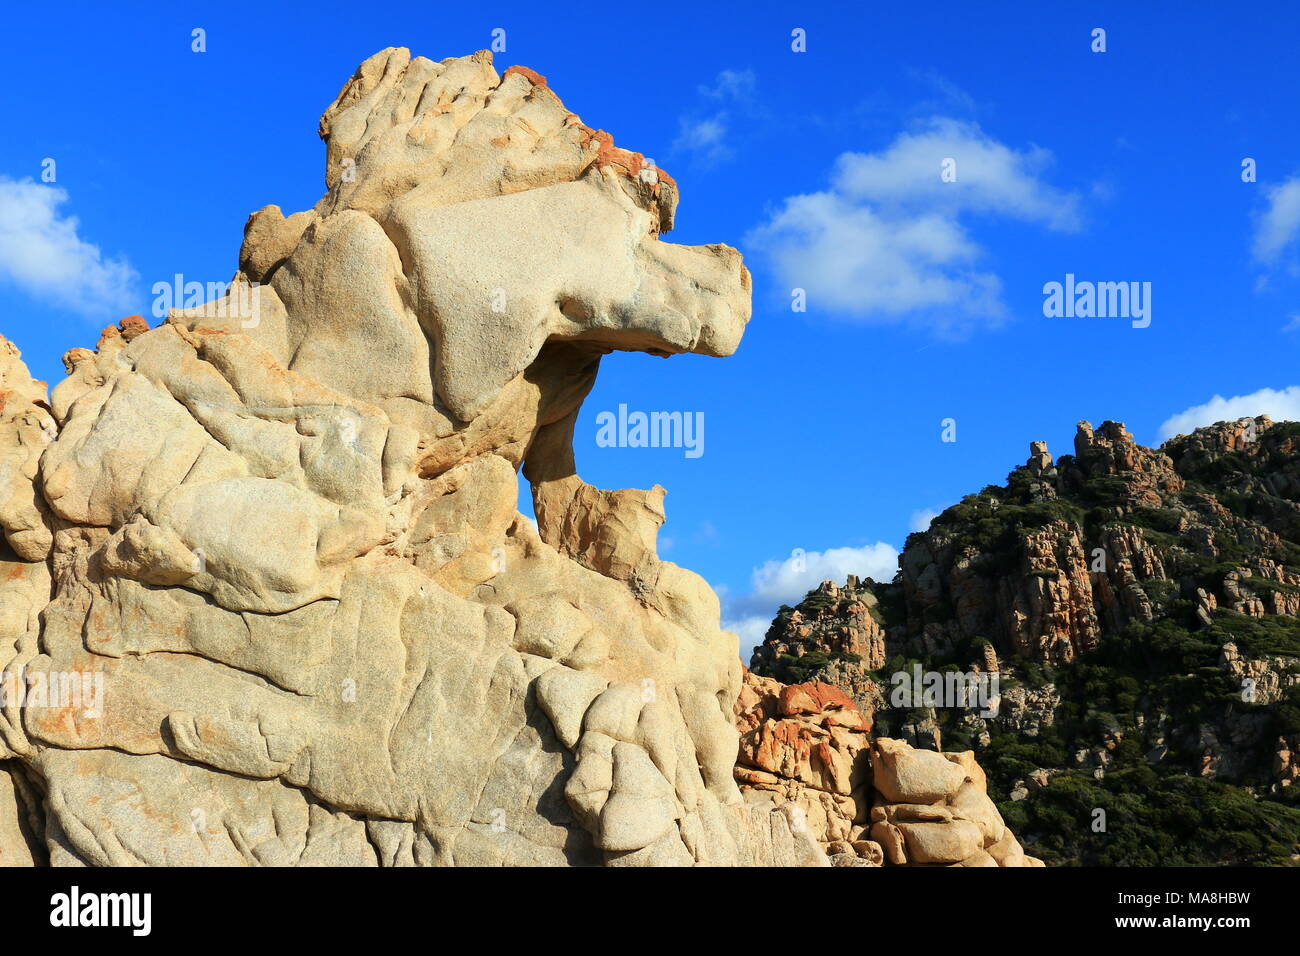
{"points": [[924, 297]]}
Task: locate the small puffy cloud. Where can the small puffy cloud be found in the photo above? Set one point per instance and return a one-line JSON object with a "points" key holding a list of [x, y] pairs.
{"points": [[1278, 225], [705, 138], [1278, 404], [703, 135], [734, 85], [42, 253], [889, 239], [751, 629], [857, 262], [990, 177], [920, 520], [786, 582], [948, 95]]}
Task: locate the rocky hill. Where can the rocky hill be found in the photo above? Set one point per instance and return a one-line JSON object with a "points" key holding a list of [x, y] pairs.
{"points": [[1140, 609]]}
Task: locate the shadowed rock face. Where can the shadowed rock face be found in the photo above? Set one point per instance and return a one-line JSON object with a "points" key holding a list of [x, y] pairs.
{"points": [[280, 530]]}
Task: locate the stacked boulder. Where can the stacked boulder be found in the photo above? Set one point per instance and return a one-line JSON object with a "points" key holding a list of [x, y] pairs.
{"points": [[807, 749], [933, 809]]}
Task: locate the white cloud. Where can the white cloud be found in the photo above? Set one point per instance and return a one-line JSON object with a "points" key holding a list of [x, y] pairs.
{"points": [[950, 95], [1280, 405], [706, 138], [852, 260], [786, 582], [41, 253], [920, 520], [731, 85], [1278, 225], [990, 177], [887, 239], [751, 630], [704, 134]]}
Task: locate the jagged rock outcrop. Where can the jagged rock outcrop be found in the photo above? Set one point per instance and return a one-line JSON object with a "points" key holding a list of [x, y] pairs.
{"points": [[807, 748], [1265, 679], [1077, 549], [273, 543], [838, 621], [1044, 589]]}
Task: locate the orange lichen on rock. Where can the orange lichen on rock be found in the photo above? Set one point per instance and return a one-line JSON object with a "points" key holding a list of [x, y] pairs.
{"points": [[132, 326], [607, 154], [532, 76], [74, 357], [108, 333], [825, 700]]}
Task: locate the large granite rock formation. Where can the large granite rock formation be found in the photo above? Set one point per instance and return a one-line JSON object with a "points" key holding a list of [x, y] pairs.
{"points": [[265, 559]]}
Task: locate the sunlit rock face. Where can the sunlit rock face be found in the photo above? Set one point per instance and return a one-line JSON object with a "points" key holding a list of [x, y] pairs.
{"points": [[272, 544]]}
